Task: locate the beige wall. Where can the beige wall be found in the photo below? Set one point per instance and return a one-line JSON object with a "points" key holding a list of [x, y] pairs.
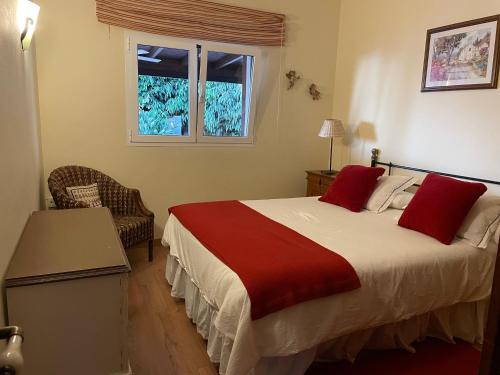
{"points": [[20, 164], [377, 89], [82, 107]]}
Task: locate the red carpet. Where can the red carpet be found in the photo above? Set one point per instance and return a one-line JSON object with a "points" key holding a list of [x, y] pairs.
{"points": [[433, 357]]}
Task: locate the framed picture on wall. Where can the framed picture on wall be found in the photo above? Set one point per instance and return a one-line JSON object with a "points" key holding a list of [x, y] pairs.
{"points": [[462, 56]]}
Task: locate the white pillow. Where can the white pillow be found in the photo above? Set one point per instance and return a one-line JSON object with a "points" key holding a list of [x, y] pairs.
{"points": [[88, 194], [402, 200], [482, 221], [385, 191]]}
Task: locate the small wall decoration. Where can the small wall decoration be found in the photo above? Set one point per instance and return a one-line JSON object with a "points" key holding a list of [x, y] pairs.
{"points": [[292, 77], [462, 56], [313, 90]]}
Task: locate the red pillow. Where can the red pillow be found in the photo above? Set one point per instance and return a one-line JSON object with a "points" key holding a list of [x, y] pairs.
{"points": [[352, 187], [440, 206]]}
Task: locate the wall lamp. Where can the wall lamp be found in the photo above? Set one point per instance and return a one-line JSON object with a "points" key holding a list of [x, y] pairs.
{"points": [[27, 17]]}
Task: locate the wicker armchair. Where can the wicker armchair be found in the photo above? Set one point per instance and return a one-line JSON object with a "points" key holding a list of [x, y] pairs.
{"points": [[133, 221]]}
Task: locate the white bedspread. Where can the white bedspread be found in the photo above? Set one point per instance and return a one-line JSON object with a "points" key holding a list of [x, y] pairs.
{"points": [[403, 273]]}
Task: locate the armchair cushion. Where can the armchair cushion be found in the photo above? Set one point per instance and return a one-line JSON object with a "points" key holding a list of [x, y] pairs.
{"points": [[133, 229], [88, 194]]}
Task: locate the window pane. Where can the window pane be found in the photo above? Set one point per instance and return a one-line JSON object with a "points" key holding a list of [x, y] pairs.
{"points": [[227, 94], [163, 90]]}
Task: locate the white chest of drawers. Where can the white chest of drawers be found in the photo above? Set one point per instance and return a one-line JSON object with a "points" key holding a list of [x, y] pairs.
{"points": [[66, 287]]}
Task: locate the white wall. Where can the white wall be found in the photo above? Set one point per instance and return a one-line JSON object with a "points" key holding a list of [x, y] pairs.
{"points": [[377, 89], [82, 109], [20, 165]]}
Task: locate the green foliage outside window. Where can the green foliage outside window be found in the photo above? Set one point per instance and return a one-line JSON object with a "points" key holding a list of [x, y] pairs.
{"points": [[162, 102], [223, 109], [164, 107]]}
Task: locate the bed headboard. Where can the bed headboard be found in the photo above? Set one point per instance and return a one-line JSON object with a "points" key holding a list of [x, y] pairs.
{"points": [[375, 162]]}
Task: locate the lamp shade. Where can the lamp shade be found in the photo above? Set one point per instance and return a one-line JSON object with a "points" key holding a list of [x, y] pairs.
{"points": [[332, 128]]}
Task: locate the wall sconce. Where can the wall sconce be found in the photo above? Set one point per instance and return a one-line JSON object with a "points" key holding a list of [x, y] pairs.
{"points": [[27, 17]]}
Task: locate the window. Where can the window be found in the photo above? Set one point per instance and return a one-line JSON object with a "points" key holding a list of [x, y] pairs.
{"points": [[191, 92]]}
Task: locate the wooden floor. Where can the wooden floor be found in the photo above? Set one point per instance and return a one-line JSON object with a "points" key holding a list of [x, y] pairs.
{"points": [[162, 340]]}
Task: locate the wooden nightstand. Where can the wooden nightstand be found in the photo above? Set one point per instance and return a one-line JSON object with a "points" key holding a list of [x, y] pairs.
{"points": [[318, 183]]}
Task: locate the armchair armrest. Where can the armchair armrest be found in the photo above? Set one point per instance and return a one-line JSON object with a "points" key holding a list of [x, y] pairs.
{"points": [[139, 205], [122, 200]]}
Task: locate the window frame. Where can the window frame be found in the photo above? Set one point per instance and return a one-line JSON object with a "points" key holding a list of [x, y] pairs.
{"points": [[237, 50], [196, 103], [132, 77]]}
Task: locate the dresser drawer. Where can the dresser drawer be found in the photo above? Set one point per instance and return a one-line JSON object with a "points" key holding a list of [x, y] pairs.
{"points": [[314, 192], [318, 183], [314, 180]]}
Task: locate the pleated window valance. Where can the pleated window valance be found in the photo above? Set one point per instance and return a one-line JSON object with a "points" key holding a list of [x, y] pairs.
{"points": [[195, 19]]}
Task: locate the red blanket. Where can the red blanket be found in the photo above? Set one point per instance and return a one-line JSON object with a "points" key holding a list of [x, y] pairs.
{"points": [[278, 266]]}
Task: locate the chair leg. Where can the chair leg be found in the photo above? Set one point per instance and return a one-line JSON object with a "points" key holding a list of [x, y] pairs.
{"points": [[150, 250]]}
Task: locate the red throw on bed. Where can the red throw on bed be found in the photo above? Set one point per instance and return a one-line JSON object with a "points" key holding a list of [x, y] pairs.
{"points": [[278, 266]]}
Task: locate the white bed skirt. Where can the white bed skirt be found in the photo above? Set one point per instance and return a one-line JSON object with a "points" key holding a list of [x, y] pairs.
{"points": [[465, 321]]}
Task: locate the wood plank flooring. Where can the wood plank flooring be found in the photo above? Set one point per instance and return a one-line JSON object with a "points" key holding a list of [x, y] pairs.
{"points": [[162, 340]]}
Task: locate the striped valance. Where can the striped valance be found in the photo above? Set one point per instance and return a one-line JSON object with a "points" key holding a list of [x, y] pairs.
{"points": [[196, 19]]}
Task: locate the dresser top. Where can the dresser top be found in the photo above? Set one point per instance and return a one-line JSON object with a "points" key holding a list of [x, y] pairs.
{"points": [[322, 173], [66, 244]]}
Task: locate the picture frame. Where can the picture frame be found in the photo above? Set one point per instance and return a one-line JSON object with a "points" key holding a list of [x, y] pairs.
{"points": [[462, 56]]}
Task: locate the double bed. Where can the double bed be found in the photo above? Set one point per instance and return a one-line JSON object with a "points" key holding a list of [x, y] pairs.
{"points": [[404, 275], [412, 286]]}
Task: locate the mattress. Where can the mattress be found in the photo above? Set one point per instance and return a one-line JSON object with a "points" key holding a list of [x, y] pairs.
{"points": [[403, 274]]}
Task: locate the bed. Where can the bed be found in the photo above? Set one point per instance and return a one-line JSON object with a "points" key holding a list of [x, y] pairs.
{"points": [[412, 287]]}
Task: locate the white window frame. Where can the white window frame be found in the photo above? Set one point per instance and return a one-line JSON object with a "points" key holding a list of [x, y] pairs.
{"points": [[248, 115], [196, 105], [132, 75]]}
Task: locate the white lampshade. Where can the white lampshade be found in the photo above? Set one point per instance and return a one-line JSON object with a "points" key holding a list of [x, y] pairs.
{"points": [[332, 128]]}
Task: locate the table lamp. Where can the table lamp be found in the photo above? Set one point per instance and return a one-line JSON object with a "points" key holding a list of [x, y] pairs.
{"points": [[332, 128]]}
